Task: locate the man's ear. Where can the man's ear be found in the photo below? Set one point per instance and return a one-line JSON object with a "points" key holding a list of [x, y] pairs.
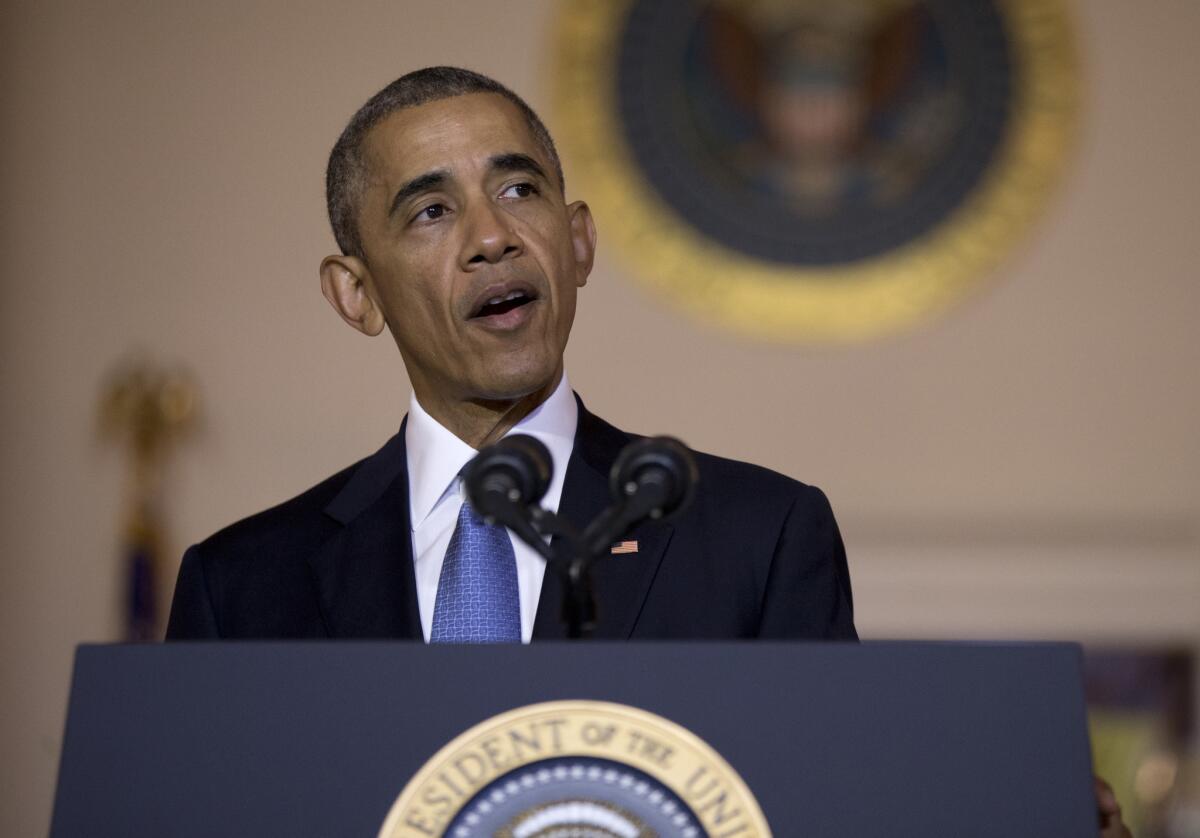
{"points": [[345, 283], [583, 240]]}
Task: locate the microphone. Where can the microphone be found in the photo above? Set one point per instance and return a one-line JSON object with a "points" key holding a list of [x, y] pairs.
{"points": [[653, 478], [506, 480]]}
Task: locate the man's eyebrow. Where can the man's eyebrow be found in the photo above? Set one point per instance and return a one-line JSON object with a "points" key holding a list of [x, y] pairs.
{"points": [[517, 162], [419, 184]]}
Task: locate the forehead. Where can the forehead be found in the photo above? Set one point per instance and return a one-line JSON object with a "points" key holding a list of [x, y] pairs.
{"points": [[456, 134]]}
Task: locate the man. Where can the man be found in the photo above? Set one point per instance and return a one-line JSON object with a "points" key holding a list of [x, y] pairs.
{"points": [[447, 200]]}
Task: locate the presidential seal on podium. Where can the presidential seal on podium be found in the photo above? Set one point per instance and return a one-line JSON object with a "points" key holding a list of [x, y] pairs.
{"points": [[576, 768], [803, 170]]}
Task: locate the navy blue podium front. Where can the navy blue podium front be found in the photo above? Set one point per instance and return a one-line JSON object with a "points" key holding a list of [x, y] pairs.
{"points": [[320, 739]]}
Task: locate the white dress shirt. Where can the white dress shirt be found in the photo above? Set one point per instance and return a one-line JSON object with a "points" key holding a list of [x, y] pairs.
{"points": [[435, 496]]}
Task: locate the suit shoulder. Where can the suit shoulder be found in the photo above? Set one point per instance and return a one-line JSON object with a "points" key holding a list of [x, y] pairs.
{"points": [[749, 474], [744, 484], [721, 479], [295, 521]]}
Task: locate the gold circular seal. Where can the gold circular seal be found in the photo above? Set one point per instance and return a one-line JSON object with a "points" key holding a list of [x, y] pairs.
{"points": [[814, 171], [575, 767]]}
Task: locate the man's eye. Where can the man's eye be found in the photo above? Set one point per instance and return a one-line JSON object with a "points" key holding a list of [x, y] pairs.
{"points": [[431, 212], [519, 190]]}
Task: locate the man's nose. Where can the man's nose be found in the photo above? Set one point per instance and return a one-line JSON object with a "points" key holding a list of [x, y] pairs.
{"points": [[489, 236]]}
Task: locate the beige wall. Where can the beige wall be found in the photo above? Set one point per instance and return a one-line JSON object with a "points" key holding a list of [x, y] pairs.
{"points": [[1028, 466]]}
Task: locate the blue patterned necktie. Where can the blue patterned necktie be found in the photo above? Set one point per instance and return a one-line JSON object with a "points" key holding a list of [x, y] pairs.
{"points": [[477, 599]]}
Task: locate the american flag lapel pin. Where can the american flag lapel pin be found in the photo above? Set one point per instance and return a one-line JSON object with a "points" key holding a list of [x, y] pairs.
{"points": [[622, 547]]}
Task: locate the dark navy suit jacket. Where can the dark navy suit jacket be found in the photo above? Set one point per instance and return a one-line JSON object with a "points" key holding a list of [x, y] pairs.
{"points": [[756, 554]]}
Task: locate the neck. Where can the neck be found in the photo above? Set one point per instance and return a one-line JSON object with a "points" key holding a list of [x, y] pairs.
{"points": [[480, 422]]}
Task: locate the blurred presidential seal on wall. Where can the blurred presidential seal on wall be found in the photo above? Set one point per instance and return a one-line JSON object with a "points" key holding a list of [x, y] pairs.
{"points": [[809, 170], [576, 768]]}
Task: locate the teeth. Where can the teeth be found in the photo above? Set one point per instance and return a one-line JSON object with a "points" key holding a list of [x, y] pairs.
{"points": [[511, 295]]}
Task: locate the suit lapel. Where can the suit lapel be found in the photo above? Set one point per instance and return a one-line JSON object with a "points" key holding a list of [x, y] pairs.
{"points": [[364, 573], [620, 582]]}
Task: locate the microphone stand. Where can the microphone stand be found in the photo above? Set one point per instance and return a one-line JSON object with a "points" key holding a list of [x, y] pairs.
{"points": [[572, 554], [565, 554]]}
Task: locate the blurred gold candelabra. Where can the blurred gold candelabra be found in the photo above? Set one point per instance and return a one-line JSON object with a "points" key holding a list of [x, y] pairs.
{"points": [[147, 408]]}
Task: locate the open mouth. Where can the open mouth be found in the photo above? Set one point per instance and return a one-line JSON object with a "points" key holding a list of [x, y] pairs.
{"points": [[504, 303]]}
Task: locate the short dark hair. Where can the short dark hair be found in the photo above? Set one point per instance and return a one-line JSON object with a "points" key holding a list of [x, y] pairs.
{"points": [[345, 177]]}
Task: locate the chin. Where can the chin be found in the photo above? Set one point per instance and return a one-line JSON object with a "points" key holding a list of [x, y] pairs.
{"points": [[512, 382]]}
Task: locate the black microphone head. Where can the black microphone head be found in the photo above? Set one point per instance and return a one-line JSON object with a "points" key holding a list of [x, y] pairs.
{"points": [[515, 470], [661, 469]]}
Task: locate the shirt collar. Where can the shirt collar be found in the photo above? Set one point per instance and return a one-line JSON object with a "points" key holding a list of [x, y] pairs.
{"points": [[436, 456]]}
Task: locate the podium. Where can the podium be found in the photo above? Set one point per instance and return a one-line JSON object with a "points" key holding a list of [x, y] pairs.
{"points": [[320, 739]]}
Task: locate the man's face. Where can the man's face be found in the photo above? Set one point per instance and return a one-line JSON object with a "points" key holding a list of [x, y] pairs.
{"points": [[471, 253]]}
